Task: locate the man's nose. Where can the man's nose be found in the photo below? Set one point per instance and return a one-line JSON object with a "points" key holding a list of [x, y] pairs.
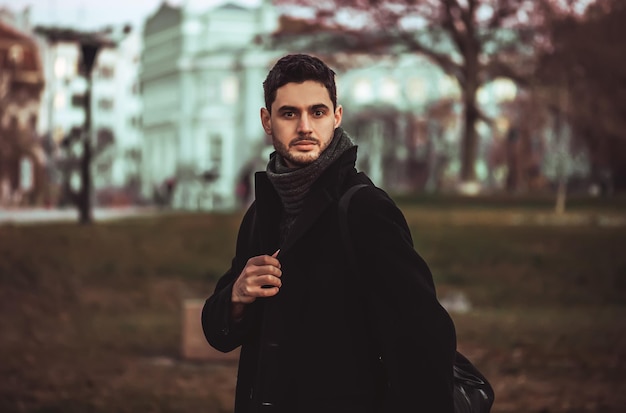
{"points": [[304, 125]]}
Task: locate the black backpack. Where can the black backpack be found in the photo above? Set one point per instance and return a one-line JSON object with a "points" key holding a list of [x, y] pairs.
{"points": [[472, 391]]}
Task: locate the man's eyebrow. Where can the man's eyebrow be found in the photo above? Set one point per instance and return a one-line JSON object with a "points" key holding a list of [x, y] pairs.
{"points": [[288, 109], [319, 106]]}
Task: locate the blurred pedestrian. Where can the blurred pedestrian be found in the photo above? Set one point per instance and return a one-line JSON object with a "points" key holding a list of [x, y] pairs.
{"points": [[244, 186], [318, 334]]}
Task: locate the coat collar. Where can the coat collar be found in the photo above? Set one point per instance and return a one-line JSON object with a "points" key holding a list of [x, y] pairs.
{"points": [[322, 194]]}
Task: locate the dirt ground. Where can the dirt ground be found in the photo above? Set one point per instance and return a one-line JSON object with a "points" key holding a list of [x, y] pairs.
{"points": [[88, 327], [108, 363]]}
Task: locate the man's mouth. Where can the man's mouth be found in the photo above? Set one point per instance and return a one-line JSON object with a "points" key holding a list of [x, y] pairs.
{"points": [[304, 143]]}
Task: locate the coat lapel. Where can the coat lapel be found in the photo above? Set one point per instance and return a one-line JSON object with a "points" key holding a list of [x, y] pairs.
{"points": [[323, 193], [269, 209], [315, 204]]}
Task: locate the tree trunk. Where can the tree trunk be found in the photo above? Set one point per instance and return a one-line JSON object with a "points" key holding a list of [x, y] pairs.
{"points": [[561, 195], [469, 88], [84, 196], [563, 145], [470, 139]]}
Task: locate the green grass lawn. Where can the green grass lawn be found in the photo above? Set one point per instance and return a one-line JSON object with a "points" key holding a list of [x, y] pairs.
{"points": [[91, 316]]}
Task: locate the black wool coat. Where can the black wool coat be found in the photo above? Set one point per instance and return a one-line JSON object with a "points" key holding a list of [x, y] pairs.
{"points": [[336, 339]]}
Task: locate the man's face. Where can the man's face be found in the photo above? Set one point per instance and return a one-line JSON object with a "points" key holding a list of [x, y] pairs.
{"points": [[302, 122]]}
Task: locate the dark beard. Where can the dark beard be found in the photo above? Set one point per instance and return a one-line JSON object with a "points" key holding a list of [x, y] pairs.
{"points": [[283, 151]]}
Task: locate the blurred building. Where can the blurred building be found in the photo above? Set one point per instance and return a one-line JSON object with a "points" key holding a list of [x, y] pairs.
{"points": [[201, 78], [117, 113], [22, 158], [403, 111], [115, 108]]}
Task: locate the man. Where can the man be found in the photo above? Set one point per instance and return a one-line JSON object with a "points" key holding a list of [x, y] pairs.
{"points": [[318, 334]]}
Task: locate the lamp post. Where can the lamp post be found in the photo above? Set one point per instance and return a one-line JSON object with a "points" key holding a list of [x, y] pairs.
{"points": [[90, 43]]}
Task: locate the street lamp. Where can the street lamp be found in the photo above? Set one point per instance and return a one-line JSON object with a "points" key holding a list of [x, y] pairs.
{"points": [[90, 44]]}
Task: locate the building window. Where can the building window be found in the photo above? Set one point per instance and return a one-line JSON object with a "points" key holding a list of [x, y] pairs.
{"points": [[106, 72], [416, 90], [389, 90], [32, 121], [105, 104], [104, 137], [60, 67], [135, 121], [230, 90], [215, 150], [59, 100], [16, 54], [78, 101], [362, 91], [26, 174]]}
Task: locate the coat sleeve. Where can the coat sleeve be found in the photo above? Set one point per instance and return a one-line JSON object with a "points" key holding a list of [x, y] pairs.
{"points": [[220, 330], [413, 332]]}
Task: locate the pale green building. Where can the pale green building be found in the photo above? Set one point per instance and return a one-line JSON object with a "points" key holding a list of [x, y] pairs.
{"points": [[201, 78]]}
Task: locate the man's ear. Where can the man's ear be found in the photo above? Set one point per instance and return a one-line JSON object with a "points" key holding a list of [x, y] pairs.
{"points": [[266, 121], [338, 115]]}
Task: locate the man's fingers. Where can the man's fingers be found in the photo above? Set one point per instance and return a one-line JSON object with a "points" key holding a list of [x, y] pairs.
{"points": [[260, 271], [270, 292], [265, 260], [259, 278], [269, 270], [269, 286], [268, 281]]}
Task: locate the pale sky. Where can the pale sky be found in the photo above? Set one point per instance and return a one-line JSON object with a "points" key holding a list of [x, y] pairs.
{"points": [[95, 14]]}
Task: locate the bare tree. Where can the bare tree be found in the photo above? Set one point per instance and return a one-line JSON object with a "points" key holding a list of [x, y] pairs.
{"points": [[474, 41], [581, 78]]}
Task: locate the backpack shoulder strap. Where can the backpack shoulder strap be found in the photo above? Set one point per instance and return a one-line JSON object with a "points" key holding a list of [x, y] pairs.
{"points": [[344, 203], [472, 392]]}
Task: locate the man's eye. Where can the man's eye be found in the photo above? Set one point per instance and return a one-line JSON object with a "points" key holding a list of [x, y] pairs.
{"points": [[288, 114], [318, 113]]}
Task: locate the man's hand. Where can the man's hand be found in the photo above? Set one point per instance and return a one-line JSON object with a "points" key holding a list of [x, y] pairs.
{"points": [[259, 278]]}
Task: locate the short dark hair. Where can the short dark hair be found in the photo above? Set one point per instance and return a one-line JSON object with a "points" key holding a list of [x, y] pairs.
{"points": [[298, 68]]}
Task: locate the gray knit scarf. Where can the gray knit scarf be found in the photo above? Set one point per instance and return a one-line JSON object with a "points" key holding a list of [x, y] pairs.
{"points": [[293, 184]]}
